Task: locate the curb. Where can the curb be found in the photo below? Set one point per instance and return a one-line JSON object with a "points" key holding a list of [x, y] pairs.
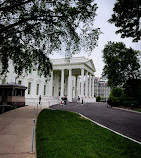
{"points": [[127, 110], [105, 127], [110, 129]]}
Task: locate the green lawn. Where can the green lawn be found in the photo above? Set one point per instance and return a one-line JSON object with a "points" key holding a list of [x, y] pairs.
{"points": [[61, 134], [138, 110]]}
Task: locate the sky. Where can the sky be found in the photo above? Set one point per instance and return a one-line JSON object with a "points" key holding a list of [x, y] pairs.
{"points": [[104, 12]]}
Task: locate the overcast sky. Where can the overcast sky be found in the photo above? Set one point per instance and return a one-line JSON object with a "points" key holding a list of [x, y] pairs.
{"points": [[104, 12]]}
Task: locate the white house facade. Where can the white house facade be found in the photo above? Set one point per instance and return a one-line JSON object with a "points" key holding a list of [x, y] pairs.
{"points": [[72, 79]]}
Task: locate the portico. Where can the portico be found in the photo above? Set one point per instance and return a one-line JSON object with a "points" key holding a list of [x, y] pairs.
{"points": [[74, 78]]}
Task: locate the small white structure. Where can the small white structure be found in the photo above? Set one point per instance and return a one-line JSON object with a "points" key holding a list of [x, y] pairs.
{"points": [[74, 78]]}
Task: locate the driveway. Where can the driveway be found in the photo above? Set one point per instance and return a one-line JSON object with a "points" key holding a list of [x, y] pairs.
{"points": [[125, 122]]}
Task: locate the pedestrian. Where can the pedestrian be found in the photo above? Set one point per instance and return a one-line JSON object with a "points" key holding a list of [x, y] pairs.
{"points": [[65, 100], [132, 106], [82, 100], [78, 99], [62, 100], [40, 98]]}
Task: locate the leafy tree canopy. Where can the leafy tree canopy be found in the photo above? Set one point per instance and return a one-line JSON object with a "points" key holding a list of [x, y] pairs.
{"points": [[127, 15], [30, 30], [121, 64], [132, 90]]}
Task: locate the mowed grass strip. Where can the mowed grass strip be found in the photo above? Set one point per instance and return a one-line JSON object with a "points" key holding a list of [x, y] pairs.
{"points": [[138, 110], [62, 134]]}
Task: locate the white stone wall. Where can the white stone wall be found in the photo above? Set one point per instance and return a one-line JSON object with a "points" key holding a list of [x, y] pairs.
{"points": [[34, 79]]}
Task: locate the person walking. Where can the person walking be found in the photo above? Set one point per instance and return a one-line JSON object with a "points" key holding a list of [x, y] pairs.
{"points": [[82, 101], [65, 100], [78, 99], [40, 98]]}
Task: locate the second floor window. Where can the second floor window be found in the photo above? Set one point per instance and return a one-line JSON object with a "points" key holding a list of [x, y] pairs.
{"points": [[44, 89], [30, 70], [3, 81], [20, 82]]}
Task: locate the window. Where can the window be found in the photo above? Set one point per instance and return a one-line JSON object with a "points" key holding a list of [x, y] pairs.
{"points": [[29, 87], [3, 81], [30, 70], [44, 89], [38, 73], [20, 82], [18, 92], [37, 89]]}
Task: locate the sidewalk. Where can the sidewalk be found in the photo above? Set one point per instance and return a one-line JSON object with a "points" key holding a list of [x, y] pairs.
{"points": [[16, 132]]}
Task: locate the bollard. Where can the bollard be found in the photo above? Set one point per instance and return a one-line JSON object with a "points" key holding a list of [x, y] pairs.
{"points": [[35, 112], [33, 128]]}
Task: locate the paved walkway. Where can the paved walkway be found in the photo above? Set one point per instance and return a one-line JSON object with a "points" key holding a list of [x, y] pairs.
{"points": [[16, 126], [16, 133], [124, 122]]}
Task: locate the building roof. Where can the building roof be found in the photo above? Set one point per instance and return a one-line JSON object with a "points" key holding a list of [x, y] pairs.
{"points": [[12, 85], [88, 62]]}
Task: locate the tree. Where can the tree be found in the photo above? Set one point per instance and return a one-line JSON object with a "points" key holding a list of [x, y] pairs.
{"points": [[116, 97], [30, 30], [126, 17], [121, 64], [132, 90]]}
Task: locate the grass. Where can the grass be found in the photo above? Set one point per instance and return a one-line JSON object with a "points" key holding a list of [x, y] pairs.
{"points": [[61, 134], [138, 110]]}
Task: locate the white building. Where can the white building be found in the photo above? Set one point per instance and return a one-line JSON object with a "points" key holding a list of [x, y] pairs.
{"points": [[101, 87], [67, 78]]}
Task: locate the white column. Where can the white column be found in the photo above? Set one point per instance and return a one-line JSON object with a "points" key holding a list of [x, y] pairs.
{"points": [[82, 83], [51, 85], [56, 85], [62, 82], [86, 84], [93, 86], [76, 87], [90, 85], [70, 86]]}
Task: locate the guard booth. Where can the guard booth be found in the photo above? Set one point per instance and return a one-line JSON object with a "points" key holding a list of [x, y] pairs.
{"points": [[12, 94]]}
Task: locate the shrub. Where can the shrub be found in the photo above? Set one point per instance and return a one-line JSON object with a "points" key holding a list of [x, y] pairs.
{"points": [[116, 97], [98, 99], [128, 103], [132, 89]]}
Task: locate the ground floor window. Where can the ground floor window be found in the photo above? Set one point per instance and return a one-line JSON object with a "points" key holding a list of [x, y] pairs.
{"points": [[37, 89]]}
